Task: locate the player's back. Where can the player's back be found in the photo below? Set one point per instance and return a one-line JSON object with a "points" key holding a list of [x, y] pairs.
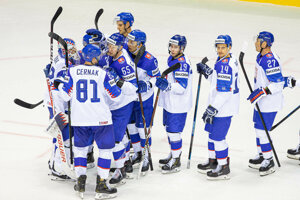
{"points": [[89, 101]]}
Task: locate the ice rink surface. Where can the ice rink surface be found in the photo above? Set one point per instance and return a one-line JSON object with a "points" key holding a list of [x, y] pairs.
{"points": [[25, 147]]}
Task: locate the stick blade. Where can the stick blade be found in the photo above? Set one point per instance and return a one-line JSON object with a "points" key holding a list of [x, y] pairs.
{"points": [[170, 69], [56, 15], [59, 39], [98, 15], [24, 104]]}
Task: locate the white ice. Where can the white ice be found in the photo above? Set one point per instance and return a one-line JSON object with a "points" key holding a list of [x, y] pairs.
{"points": [[25, 148]]}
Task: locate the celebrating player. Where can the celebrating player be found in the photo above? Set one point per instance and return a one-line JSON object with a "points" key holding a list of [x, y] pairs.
{"points": [[147, 70], [223, 103], [176, 100], [268, 86], [88, 88]]}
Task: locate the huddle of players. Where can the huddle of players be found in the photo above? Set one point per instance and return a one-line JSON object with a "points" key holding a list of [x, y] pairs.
{"points": [[102, 88]]}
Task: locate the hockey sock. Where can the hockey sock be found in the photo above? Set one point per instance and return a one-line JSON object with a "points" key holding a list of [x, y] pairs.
{"points": [[258, 145], [104, 162], [143, 138], [91, 147], [264, 143], [126, 144], [134, 137], [211, 149], [221, 148], [80, 161], [119, 154], [176, 144]]}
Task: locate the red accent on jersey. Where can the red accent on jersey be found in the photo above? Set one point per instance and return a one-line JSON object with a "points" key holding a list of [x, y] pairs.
{"points": [[225, 60], [269, 55], [181, 59], [121, 60], [148, 55]]}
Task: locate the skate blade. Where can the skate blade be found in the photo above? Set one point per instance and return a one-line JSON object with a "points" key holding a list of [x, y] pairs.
{"points": [[136, 165], [56, 178], [129, 176], [105, 196], [253, 166], [171, 171], [144, 173], [202, 171], [90, 165], [81, 195], [222, 177], [295, 157], [270, 171]]}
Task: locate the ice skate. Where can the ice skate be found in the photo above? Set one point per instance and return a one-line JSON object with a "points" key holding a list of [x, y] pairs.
{"points": [[210, 164], [128, 169], [256, 162], [90, 160], [267, 167], [103, 190], [136, 159], [146, 166], [118, 177], [164, 161], [221, 172], [172, 166], [80, 185], [294, 153], [59, 177]]}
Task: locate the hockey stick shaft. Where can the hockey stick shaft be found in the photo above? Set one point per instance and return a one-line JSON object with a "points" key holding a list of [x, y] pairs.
{"points": [[136, 60], [56, 15], [241, 58], [195, 115], [292, 112], [98, 15], [167, 71], [24, 104], [64, 44]]}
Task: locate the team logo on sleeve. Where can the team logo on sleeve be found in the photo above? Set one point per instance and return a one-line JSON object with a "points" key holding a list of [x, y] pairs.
{"points": [[269, 55], [121, 60], [181, 59], [225, 61], [224, 77], [148, 55]]}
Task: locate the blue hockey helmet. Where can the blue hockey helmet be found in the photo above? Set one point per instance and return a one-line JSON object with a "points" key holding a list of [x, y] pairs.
{"points": [[224, 39], [125, 17], [91, 51], [178, 40], [138, 36], [265, 36], [116, 39], [72, 51], [94, 38]]}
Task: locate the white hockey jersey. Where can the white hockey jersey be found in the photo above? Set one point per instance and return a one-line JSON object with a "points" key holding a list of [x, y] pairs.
{"points": [[89, 88], [268, 74], [224, 89], [179, 99]]}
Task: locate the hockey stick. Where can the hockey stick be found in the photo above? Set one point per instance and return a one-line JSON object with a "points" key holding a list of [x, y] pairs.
{"points": [[25, 104], [136, 60], [64, 44], [98, 15], [241, 58], [292, 112], [163, 75], [204, 60]]}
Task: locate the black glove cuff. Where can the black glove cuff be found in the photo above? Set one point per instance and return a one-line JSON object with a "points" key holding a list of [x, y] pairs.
{"points": [[120, 83]]}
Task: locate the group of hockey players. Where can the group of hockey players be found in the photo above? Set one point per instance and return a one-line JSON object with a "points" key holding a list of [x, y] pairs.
{"points": [[100, 85]]}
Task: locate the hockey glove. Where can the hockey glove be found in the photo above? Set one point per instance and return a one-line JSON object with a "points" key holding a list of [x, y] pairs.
{"points": [[47, 70], [289, 82], [257, 94], [209, 114], [163, 84], [204, 69], [143, 86]]}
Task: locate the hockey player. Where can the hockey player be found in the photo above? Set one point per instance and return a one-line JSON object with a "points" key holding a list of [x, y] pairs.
{"points": [[176, 100], [124, 22], [268, 86], [52, 72], [122, 69], [147, 70], [291, 82], [88, 88], [223, 103]]}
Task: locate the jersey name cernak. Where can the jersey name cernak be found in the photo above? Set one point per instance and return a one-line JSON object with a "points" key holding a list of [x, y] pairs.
{"points": [[87, 72]]}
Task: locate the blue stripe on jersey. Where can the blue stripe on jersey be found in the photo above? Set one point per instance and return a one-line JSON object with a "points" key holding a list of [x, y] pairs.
{"points": [[181, 75], [224, 75], [80, 162], [271, 67], [104, 163]]}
